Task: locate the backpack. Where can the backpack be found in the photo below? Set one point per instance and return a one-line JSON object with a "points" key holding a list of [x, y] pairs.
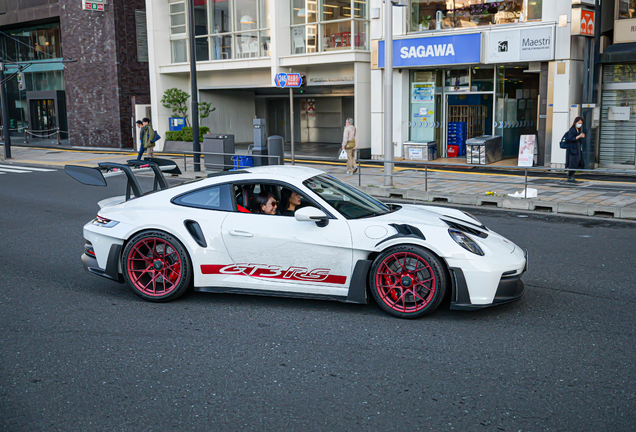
{"points": [[564, 141], [156, 138]]}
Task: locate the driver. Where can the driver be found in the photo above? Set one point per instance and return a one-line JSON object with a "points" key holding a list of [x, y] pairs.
{"points": [[290, 201], [266, 203]]}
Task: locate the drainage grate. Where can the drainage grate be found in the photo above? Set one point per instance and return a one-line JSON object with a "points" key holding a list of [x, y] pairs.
{"points": [[604, 214], [400, 196], [543, 209], [440, 199], [489, 204]]}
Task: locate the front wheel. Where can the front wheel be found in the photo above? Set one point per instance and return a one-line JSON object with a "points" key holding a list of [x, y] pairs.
{"points": [[156, 266], [407, 281]]}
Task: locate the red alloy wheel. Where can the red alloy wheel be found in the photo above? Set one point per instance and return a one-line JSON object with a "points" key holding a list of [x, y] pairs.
{"points": [[154, 266], [405, 282]]}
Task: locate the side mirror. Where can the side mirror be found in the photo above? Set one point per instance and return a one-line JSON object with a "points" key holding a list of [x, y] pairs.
{"points": [[312, 214]]}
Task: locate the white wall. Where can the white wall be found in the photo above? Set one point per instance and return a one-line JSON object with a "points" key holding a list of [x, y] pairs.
{"points": [[362, 103], [235, 110]]}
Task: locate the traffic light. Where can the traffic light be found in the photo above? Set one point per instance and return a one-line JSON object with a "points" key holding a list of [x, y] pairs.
{"points": [[21, 82], [303, 82]]}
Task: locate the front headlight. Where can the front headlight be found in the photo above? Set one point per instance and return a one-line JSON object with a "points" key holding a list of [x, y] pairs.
{"points": [[465, 241]]}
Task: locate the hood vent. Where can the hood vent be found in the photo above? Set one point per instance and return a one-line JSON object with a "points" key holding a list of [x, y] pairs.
{"points": [[465, 228]]}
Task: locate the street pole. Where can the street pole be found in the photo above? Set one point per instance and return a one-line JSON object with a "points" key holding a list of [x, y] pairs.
{"points": [[291, 116], [196, 145], [388, 94], [590, 85], [5, 116]]}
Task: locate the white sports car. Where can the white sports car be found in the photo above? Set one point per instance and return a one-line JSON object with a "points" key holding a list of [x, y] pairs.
{"points": [[299, 232]]}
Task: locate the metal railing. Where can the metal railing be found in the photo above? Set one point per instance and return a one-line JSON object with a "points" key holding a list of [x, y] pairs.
{"points": [[417, 169], [235, 164]]}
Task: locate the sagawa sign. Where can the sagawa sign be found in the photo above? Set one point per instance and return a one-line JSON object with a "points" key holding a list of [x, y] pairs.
{"points": [[432, 51], [521, 45]]}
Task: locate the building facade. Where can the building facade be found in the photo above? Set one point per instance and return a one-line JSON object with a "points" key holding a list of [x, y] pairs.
{"points": [[92, 95], [507, 68], [240, 47], [617, 138]]}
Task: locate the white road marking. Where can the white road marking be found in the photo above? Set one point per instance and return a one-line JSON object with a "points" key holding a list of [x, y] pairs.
{"points": [[7, 170], [27, 168]]}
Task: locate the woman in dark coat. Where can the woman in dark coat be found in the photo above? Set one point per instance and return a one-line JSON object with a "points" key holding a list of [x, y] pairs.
{"points": [[574, 153]]}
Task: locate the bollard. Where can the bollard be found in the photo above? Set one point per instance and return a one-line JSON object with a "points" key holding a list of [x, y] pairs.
{"points": [[425, 178], [59, 137], [26, 135]]}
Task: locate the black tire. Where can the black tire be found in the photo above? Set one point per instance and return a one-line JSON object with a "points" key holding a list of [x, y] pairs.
{"points": [[407, 281], [156, 266]]}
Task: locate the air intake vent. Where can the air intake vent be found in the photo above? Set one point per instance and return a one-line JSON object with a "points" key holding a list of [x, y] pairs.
{"points": [[465, 228]]}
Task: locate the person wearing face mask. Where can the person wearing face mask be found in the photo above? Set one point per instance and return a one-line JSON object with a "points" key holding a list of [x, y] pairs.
{"points": [[574, 152]]}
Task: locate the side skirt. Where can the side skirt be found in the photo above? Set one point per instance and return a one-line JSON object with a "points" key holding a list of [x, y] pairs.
{"points": [[269, 293], [358, 285]]}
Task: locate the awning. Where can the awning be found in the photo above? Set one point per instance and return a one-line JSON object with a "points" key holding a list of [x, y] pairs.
{"points": [[619, 53]]}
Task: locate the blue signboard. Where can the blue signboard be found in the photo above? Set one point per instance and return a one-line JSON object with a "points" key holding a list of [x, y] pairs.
{"points": [[286, 80], [434, 51]]}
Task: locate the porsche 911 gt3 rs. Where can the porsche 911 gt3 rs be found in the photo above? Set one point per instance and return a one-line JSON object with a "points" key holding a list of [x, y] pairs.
{"points": [[338, 244]]}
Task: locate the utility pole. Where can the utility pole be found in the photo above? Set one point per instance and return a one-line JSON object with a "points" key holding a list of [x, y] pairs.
{"points": [[388, 94], [196, 145], [5, 115], [291, 124], [590, 85]]}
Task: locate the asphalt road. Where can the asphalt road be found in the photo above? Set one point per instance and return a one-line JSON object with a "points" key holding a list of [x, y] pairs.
{"points": [[81, 353]]}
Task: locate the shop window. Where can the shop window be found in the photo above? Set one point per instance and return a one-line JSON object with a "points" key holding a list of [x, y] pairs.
{"points": [[456, 80], [223, 29], [626, 9], [444, 14], [329, 25], [516, 108], [482, 79], [42, 42]]}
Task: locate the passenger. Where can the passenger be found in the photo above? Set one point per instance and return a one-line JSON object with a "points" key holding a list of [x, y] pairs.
{"points": [[290, 201], [266, 203]]}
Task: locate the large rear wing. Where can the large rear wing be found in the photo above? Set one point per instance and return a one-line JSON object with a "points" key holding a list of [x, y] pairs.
{"points": [[97, 176]]}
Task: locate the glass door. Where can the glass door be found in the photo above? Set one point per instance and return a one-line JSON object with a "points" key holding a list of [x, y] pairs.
{"points": [[43, 115]]}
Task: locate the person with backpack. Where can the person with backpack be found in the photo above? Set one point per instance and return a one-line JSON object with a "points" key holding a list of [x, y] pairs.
{"points": [[574, 148], [148, 139]]}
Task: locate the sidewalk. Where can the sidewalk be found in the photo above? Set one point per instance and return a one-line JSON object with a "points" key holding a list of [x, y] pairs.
{"points": [[591, 197]]}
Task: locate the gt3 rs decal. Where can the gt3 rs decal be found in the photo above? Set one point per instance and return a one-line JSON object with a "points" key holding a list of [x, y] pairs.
{"points": [[303, 274]]}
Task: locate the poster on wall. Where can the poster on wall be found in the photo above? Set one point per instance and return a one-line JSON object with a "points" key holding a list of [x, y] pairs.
{"points": [[422, 124], [527, 145], [422, 92]]}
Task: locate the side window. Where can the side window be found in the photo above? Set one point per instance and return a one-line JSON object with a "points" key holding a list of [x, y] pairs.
{"points": [[213, 198]]}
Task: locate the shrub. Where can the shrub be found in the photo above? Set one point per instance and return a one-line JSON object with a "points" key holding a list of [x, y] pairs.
{"points": [[185, 134]]}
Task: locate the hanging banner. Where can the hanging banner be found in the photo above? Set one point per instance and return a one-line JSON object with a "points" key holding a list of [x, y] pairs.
{"points": [[527, 146]]}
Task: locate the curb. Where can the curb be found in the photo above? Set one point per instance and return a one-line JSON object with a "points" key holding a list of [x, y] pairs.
{"points": [[505, 203]]}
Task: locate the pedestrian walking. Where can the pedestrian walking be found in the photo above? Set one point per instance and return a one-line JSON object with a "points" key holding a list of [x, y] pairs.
{"points": [[140, 126], [350, 144], [574, 152], [147, 139]]}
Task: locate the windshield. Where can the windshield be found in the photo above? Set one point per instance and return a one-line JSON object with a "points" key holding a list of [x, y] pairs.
{"points": [[349, 201]]}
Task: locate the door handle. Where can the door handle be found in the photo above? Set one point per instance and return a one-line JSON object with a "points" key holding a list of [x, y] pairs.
{"points": [[241, 233]]}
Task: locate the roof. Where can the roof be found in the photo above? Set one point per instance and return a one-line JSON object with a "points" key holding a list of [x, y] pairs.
{"points": [[293, 171]]}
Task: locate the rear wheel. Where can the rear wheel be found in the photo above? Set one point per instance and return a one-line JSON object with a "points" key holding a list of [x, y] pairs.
{"points": [[156, 266], [407, 281]]}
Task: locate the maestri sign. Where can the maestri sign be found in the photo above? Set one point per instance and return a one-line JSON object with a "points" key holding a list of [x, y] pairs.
{"points": [[432, 51], [520, 45]]}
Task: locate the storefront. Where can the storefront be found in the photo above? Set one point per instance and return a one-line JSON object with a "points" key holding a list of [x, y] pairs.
{"points": [[472, 84]]}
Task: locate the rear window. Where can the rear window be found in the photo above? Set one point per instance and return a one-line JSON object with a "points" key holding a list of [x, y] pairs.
{"points": [[212, 198]]}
